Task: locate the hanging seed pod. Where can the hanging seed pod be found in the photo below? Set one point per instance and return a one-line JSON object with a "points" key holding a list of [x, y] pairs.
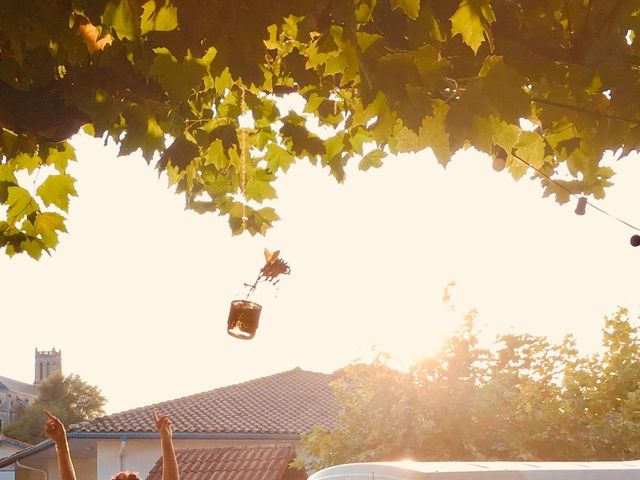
{"points": [[500, 160]]}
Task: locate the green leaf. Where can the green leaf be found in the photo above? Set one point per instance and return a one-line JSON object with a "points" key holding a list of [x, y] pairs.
{"points": [[290, 26], [159, 16], [366, 39], [364, 10], [179, 154], [223, 81], [530, 148], [358, 139], [372, 159], [47, 225], [517, 168], [278, 158], [336, 64], [559, 188], [60, 156], [430, 64], [216, 155], [268, 214], [410, 7], [118, 15], [143, 132], [260, 188], [7, 174], [433, 133], [302, 141], [504, 134], [180, 79], [471, 21], [21, 204], [4, 190], [272, 42], [33, 247], [334, 146], [503, 86], [56, 190], [24, 161]]}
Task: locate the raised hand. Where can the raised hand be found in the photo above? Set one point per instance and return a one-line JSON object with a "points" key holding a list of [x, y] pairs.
{"points": [[163, 424], [169, 461], [54, 429]]}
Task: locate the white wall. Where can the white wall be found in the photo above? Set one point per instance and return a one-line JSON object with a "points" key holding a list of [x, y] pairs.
{"points": [[24, 474], [7, 473]]}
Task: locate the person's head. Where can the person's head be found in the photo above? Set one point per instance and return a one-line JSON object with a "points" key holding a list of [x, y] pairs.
{"points": [[126, 476]]}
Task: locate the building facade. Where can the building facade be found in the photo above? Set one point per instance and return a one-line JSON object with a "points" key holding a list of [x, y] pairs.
{"points": [[47, 363], [15, 395]]}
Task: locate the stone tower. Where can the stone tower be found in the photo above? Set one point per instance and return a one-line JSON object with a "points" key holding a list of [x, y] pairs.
{"points": [[47, 362]]}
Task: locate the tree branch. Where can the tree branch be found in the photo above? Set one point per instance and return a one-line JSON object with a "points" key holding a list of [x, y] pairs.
{"points": [[38, 112], [585, 110]]}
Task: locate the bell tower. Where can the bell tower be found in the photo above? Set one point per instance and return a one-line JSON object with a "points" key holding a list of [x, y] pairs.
{"points": [[47, 362]]}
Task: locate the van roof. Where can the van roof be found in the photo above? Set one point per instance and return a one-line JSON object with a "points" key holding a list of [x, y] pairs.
{"points": [[410, 470]]}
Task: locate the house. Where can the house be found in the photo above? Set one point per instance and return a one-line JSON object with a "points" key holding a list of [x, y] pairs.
{"points": [[250, 428], [9, 446], [16, 395]]}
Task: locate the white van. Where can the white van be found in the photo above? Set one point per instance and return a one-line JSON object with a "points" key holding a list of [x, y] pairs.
{"points": [[482, 471]]}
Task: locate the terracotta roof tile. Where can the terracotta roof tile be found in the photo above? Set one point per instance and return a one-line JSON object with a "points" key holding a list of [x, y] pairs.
{"points": [[254, 462], [284, 403]]}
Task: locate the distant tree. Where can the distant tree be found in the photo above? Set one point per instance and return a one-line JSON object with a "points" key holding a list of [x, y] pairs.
{"points": [[524, 398], [602, 394], [69, 398]]}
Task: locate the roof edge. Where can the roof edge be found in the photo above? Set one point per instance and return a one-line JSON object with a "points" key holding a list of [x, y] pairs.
{"points": [[186, 435], [14, 441], [11, 459]]}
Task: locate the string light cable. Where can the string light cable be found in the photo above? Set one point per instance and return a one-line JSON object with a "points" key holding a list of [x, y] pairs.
{"points": [[582, 201]]}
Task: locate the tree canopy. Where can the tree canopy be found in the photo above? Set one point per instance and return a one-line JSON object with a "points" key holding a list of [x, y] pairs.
{"points": [[197, 87], [69, 398], [523, 398]]}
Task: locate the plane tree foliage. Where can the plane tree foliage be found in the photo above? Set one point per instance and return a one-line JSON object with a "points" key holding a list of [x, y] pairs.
{"points": [[69, 398], [523, 398], [197, 86]]}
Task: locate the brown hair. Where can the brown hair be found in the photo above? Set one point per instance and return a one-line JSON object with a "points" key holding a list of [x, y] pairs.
{"points": [[126, 476]]}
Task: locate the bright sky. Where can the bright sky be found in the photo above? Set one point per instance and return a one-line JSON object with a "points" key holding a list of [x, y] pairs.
{"points": [[137, 294]]}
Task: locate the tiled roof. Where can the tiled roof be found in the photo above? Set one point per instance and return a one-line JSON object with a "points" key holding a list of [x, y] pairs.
{"points": [[285, 403], [17, 386], [255, 462]]}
